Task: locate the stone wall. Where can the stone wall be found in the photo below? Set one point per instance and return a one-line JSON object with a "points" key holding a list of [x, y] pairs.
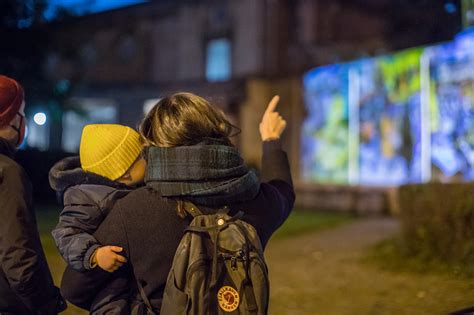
{"points": [[359, 200]]}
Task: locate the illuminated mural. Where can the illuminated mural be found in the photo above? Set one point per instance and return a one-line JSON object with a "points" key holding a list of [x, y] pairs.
{"points": [[388, 100], [451, 105], [394, 119], [325, 131]]}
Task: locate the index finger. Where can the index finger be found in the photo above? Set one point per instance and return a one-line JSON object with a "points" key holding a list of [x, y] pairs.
{"points": [[273, 104]]}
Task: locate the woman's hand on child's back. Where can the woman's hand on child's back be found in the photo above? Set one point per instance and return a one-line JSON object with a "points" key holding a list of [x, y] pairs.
{"points": [[106, 257]]}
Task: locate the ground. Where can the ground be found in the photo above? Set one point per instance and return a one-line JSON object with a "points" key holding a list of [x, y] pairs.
{"points": [[317, 266], [325, 273]]}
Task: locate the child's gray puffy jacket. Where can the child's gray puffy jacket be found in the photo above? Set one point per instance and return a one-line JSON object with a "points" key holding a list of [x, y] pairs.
{"points": [[87, 200]]}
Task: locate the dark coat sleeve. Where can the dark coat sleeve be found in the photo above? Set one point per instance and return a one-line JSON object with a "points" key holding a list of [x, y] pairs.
{"points": [[82, 288], [276, 173], [79, 219], [21, 254], [277, 195]]}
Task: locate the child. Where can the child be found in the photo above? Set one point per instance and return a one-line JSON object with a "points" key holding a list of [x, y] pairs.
{"points": [[110, 165]]}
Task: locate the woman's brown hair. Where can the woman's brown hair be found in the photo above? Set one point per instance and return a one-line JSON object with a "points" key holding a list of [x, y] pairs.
{"points": [[184, 119]]}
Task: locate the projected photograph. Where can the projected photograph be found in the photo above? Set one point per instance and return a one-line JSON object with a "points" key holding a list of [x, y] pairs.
{"points": [[324, 139], [451, 105], [389, 102]]}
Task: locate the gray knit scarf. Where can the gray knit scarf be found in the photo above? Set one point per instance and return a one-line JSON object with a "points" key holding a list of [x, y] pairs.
{"points": [[208, 173]]}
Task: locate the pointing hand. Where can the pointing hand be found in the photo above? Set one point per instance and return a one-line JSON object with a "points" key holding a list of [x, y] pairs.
{"points": [[272, 124]]}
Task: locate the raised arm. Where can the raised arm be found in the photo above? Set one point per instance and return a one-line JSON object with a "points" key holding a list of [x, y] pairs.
{"points": [[275, 164], [276, 191]]}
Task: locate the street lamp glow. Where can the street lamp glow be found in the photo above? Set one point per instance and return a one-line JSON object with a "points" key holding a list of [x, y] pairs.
{"points": [[40, 119]]}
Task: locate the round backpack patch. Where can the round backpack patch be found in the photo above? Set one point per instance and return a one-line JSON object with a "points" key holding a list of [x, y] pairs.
{"points": [[228, 299]]}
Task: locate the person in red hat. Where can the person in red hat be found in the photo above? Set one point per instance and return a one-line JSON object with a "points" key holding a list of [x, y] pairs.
{"points": [[26, 285]]}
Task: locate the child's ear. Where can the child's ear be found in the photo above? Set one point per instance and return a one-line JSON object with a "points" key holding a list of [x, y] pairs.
{"points": [[126, 178]]}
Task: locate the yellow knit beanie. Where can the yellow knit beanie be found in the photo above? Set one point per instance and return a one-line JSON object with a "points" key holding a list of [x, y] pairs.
{"points": [[109, 150]]}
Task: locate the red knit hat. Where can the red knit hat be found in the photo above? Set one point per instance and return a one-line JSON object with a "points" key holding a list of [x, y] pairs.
{"points": [[11, 98]]}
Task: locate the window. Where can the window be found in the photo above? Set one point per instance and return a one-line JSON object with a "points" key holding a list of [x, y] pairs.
{"points": [[218, 60], [127, 49], [149, 104], [88, 54], [87, 111]]}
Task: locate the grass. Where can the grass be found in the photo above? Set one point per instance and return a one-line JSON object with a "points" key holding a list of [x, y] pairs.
{"points": [[47, 219], [391, 255], [301, 222]]}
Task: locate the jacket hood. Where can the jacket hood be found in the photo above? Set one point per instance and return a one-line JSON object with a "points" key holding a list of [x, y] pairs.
{"points": [[68, 172]]}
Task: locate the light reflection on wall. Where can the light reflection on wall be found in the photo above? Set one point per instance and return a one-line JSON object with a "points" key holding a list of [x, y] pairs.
{"points": [[451, 106], [389, 103], [149, 104], [411, 117], [218, 60], [324, 139]]}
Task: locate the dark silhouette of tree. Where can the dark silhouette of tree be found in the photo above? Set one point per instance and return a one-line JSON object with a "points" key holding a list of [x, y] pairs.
{"points": [[26, 43]]}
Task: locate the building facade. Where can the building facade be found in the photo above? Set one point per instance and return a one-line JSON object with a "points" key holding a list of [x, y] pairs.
{"points": [[237, 54]]}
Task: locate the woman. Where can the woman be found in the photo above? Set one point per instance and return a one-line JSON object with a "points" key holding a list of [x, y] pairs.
{"points": [[190, 157]]}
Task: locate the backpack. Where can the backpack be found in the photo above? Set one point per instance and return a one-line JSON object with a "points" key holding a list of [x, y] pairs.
{"points": [[218, 268]]}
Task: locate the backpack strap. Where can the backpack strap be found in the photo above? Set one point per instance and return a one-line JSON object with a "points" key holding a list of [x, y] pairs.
{"points": [[145, 298], [192, 209], [200, 229], [247, 283]]}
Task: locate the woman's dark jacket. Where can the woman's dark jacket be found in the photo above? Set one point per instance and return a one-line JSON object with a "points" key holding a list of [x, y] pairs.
{"points": [[87, 200], [26, 286], [147, 226]]}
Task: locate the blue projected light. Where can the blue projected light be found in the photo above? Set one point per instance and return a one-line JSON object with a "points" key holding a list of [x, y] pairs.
{"points": [[389, 104], [325, 135], [450, 7], [406, 117], [452, 108], [82, 7], [218, 60]]}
